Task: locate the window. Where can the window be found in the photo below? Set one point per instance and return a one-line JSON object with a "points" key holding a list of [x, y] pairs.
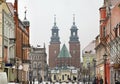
{"points": [[116, 31], [55, 52], [54, 34], [73, 51], [104, 32], [62, 77], [54, 77], [68, 76], [35, 73], [73, 33], [35, 65]]}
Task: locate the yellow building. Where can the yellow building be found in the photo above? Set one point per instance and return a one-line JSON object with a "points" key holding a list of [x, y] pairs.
{"points": [[64, 74]]}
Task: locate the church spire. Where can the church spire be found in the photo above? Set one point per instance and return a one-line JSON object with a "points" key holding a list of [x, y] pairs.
{"points": [[54, 19], [74, 37], [25, 14], [55, 33], [73, 19], [25, 21]]}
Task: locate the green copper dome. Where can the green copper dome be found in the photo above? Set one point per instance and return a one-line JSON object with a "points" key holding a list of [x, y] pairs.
{"points": [[64, 53]]}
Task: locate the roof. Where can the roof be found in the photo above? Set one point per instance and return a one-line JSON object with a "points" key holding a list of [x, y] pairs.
{"points": [[64, 53], [11, 8], [90, 48]]}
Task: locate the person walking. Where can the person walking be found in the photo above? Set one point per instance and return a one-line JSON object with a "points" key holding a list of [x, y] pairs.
{"points": [[101, 80], [95, 81], [117, 82]]}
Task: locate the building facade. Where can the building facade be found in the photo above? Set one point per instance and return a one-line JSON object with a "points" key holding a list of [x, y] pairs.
{"points": [[106, 42], [22, 44], [89, 62], [54, 47], [7, 43], [74, 46], [38, 66], [15, 42], [64, 74], [7, 32]]}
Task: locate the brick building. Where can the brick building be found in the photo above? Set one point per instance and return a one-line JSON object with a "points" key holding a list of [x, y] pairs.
{"points": [[108, 41], [21, 43], [74, 47]]}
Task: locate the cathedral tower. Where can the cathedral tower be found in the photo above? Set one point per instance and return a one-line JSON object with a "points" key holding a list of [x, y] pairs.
{"points": [[54, 47], [74, 45]]}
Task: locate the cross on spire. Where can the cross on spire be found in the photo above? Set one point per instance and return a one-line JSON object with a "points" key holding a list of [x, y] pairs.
{"points": [[54, 19], [25, 13], [73, 19]]}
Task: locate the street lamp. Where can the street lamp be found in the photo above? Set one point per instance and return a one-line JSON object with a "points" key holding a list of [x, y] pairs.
{"points": [[17, 80], [94, 64], [18, 67], [105, 59], [89, 73]]}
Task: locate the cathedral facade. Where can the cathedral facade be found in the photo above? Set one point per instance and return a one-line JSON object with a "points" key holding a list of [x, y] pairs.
{"points": [[64, 57]]}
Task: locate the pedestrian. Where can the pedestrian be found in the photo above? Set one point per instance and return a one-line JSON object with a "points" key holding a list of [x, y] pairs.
{"points": [[101, 80], [95, 81], [84, 80], [117, 82]]}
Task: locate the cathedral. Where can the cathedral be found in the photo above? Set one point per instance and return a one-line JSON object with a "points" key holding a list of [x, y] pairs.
{"points": [[64, 57]]}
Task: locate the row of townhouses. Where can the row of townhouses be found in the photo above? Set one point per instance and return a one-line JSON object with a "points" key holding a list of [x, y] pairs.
{"points": [[14, 42], [105, 49]]}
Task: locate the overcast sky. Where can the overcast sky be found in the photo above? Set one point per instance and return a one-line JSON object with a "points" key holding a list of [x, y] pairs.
{"points": [[40, 13]]}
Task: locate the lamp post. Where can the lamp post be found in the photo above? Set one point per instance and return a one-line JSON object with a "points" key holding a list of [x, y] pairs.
{"points": [[18, 67], [94, 64], [105, 59], [17, 80], [89, 73]]}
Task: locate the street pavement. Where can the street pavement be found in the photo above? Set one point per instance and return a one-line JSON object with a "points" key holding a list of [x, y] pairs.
{"points": [[61, 83], [57, 83], [53, 83]]}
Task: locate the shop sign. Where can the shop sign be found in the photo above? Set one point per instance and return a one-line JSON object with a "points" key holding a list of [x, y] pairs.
{"points": [[116, 66]]}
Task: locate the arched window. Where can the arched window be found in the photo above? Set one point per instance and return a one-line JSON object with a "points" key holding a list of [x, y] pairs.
{"points": [[54, 34], [73, 33], [104, 32], [54, 77], [62, 77]]}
